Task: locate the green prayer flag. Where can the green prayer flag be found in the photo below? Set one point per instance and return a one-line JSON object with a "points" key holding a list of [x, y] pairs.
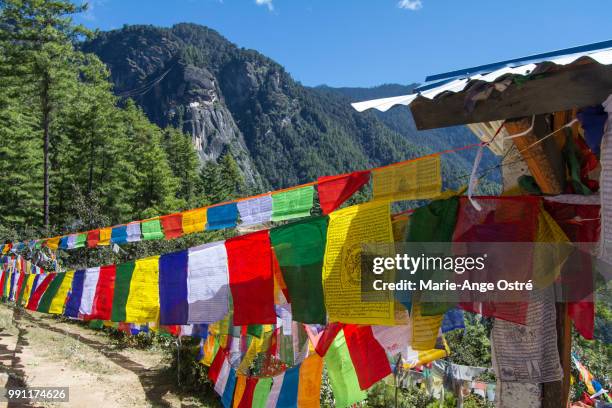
{"points": [[151, 229], [299, 248], [342, 375], [435, 222], [292, 204], [262, 390], [255, 330], [122, 290], [45, 301], [80, 240]]}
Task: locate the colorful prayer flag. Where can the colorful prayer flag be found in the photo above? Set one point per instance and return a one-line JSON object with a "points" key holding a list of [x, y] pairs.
{"points": [[207, 283], [81, 240], [172, 225], [39, 291], [119, 234], [173, 288], [194, 221], [133, 232], [256, 210], [415, 180], [261, 393], [291, 204], [45, 300], [249, 260], [335, 190], [53, 243], [93, 237], [222, 216], [89, 291], [105, 236], [368, 356], [309, 384], [73, 303], [123, 277], [300, 248], [103, 299], [342, 376], [58, 302], [151, 229], [143, 299]]}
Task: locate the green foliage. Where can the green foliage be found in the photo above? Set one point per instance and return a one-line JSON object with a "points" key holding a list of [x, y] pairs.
{"points": [[222, 181], [471, 346]]}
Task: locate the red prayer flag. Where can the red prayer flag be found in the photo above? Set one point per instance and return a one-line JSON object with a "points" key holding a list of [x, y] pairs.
{"points": [[368, 356], [215, 367], [327, 338], [103, 299], [172, 225], [334, 190], [40, 290], [247, 396], [92, 238], [249, 260]]}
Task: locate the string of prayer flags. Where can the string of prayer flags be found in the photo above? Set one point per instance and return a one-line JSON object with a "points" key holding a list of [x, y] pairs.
{"points": [[103, 298], [89, 291], [105, 236], [414, 180], [342, 376], [92, 238], [121, 290], [173, 288], [347, 230], [151, 229], [172, 225], [194, 220], [207, 283], [335, 190], [119, 234], [143, 299], [291, 204], [368, 356], [222, 216], [249, 259], [299, 248], [57, 304], [73, 302], [255, 211], [133, 232]]}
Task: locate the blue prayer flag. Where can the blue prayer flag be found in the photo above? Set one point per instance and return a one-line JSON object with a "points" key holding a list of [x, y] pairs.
{"points": [[222, 216], [173, 288], [74, 296]]}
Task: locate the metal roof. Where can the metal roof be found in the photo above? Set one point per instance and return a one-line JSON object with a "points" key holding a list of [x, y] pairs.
{"points": [[457, 81]]}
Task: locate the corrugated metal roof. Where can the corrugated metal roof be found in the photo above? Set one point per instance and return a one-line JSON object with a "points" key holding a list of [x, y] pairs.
{"points": [[457, 81]]}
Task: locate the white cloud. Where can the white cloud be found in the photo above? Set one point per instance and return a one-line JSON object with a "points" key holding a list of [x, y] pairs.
{"points": [[91, 7], [410, 4], [267, 3]]}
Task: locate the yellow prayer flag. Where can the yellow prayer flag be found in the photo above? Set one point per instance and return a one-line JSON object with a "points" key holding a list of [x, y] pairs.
{"points": [[425, 329], [415, 180], [28, 289], [348, 229], [53, 243], [194, 220], [58, 301], [239, 391], [549, 256], [105, 236], [143, 300], [309, 385]]}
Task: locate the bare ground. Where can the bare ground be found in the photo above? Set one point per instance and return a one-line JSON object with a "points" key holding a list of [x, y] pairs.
{"points": [[37, 350]]}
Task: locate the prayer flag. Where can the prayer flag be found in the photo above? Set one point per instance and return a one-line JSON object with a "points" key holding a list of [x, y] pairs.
{"points": [[133, 232], [239, 390], [256, 210], [71, 241], [123, 277], [45, 301], [173, 225], [207, 283], [309, 385], [58, 302], [348, 229], [194, 220], [342, 376], [246, 400], [28, 288], [93, 237], [73, 303], [249, 260], [415, 180], [453, 320], [63, 242], [425, 329], [222, 216], [216, 366], [103, 299], [335, 190], [81, 240], [105, 236], [119, 234], [151, 229], [291, 204], [53, 243], [173, 288], [261, 393], [89, 291], [39, 291], [299, 248], [368, 357], [288, 394], [143, 299]]}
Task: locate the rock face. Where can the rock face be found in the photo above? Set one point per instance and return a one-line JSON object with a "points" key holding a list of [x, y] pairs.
{"points": [[230, 99]]}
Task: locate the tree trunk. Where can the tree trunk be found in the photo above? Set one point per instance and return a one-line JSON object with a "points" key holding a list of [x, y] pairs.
{"points": [[46, 119]]}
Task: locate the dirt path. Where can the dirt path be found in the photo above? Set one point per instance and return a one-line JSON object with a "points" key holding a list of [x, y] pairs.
{"points": [[37, 350]]}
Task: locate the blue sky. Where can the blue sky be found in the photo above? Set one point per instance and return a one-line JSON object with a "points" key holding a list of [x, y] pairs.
{"points": [[370, 42]]}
